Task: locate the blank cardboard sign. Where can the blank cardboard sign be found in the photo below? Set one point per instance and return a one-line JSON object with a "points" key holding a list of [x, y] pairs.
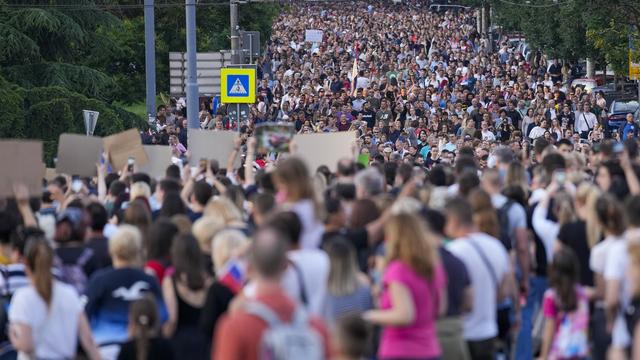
{"points": [[324, 149], [159, 157], [207, 144], [123, 145], [21, 163], [78, 154]]}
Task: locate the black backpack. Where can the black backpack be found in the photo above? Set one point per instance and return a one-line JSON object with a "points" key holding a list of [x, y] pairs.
{"points": [[503, 220]]}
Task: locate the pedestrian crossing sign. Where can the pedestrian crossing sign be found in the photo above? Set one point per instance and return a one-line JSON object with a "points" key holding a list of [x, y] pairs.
{"points": [[238, 86]]}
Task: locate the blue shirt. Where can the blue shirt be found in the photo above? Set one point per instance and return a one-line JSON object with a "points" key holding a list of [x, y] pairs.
{"points": [[627, 128], [109, 294]]}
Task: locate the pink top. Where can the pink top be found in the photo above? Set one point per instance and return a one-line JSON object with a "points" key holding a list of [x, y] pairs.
{"points": [[419, 339]]}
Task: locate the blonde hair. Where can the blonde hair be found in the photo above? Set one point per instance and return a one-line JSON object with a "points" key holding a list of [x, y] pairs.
{"points": [[586, 196], [224, 208], [409, 241], [343, 270], [139, 189], [227, 244], [292, 174], [126, 244], [204, 229]]}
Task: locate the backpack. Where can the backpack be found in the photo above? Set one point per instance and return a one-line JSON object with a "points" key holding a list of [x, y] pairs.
{"points": [[73, 274], [286, 341], [571, 338], [503, 220]]}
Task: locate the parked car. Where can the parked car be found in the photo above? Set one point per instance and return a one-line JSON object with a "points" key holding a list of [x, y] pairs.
{"points": [[619, 110]]}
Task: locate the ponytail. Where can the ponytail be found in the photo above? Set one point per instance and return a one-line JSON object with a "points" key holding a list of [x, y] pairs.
{"points": [[143, 314], [39, 259]]}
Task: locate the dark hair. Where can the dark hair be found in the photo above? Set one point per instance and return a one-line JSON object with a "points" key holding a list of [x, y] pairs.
{"points": [[438, 175], [169, 185], [172, 172], [187, 260], [98, 215], [632, 208], [552, 162], [539, 145], [143, 314], [39, 260], [610, 214], [564, 142], [390, 169], [564, 275], [172, 204], [355, 336], [465, 163], [21, 237], [117, 188], [160, 238], [141, 177], [468, 181], [202, 192], [434, 219], [461, 209], [288, 223], [264, 203], [8, 224], [346, 168]]}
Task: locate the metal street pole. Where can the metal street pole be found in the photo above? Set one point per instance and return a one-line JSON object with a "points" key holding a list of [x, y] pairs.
{"points": [[235, 37], [192, 71], [150, 56]]}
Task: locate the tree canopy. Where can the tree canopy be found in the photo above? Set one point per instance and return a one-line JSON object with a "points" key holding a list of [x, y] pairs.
{"points": [[62, 56], [573, 29]]}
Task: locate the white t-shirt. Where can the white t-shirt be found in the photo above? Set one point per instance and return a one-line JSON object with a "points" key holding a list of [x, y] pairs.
{"points": [[600, 254], [54, 329], [481, 324], [314, 267], [615, 269]]}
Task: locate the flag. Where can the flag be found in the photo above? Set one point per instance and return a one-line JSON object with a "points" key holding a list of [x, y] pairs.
{"points": [[354, 71], [233, 275]]}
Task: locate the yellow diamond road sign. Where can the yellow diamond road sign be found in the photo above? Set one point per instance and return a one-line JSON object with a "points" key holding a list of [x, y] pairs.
{"points": [[238, 86]]}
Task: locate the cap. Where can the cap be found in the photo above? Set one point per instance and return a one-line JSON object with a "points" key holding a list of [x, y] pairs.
{"points": [[71, 215]]}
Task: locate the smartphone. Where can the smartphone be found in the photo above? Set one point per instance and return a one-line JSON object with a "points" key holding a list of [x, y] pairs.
{"points": [[618, 148], [130, 163], [76, 185], [560, 176]]}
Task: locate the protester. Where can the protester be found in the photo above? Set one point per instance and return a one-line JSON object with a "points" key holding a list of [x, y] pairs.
{"points": [[184, 293], [144, 332], [46, 317], [238, 335], [495, 154], [413, 295]]}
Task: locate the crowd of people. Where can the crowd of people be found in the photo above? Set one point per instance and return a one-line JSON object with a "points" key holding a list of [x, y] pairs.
{"points": [[497, 215]]}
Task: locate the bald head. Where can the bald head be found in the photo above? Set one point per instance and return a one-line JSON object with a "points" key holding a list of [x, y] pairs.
{"points": [[269, 253]]}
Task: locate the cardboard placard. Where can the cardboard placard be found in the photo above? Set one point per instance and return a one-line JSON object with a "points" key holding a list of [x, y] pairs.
{"points": [[216, 145], [123, 145], [50, 174], [324, 149], [21, 163], [78, 154], [159, 157]]}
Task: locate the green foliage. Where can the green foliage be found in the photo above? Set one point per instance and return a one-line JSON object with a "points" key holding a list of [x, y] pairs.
{"points": [[573, 29], [11, 100], [57, 61], [77, 78]]}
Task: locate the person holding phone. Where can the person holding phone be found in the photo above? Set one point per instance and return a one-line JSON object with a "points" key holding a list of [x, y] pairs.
{"points": [[177, 149]]}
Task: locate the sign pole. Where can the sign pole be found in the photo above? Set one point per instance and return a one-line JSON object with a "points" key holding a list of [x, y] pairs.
{"points": [[238, 115], [192, 71], [150, 57]]}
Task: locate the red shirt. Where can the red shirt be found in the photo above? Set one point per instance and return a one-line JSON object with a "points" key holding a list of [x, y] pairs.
{"points": [[238, 334]]}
